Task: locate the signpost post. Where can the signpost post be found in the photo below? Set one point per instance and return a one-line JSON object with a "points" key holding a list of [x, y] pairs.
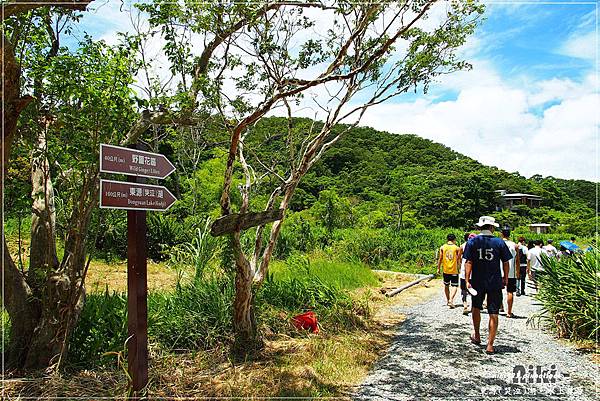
{"points": [[137, 295], [136, 197]]}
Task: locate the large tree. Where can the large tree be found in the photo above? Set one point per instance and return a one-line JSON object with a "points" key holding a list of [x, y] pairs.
{"points": [[275, 57], [67, 116]]}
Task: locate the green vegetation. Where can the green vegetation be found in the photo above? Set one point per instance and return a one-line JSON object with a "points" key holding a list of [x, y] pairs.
{"points": [[569, 291], [344, 230], [354, 198], [197, 315]]}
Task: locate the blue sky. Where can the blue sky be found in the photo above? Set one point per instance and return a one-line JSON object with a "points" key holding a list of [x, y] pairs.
{"points": [[527, 39], [530, 103]]}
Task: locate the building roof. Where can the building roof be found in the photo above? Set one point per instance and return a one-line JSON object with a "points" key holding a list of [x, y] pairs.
{"points": [[520, 195], [539, 225]]}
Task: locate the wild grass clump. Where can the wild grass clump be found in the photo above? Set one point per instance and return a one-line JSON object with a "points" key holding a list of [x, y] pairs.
{"points": [[568, 289], [410, 249], [193, 316], [320, 285], [102, 328], [347, 275]]}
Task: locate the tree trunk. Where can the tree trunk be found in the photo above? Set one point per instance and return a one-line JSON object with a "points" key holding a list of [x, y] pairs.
{"points": [[64, 292], [24, 311], [22, 307], [247, 338], [400, 214], [43, 256], [46, 341]]}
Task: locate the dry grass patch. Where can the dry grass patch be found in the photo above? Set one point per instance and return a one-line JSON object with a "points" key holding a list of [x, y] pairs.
{"points": [[114, 276]]}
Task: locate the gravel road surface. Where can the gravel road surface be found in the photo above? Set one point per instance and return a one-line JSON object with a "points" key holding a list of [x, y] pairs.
{"points": [[431, 358]]}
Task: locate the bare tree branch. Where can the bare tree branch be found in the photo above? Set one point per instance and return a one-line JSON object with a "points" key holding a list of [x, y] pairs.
{"points": [[15, 7]]}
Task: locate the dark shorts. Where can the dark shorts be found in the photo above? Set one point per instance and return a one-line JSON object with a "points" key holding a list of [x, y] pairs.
{"points": [[511, 286], [494, 300], [451, 279], [463, 284]]}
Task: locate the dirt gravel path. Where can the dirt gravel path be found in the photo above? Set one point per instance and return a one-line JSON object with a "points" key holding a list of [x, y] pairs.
{"points": [[431, 358]]}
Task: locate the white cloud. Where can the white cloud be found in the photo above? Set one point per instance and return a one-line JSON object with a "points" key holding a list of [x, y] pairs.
{"points": [[583, 45], [496, 124]]}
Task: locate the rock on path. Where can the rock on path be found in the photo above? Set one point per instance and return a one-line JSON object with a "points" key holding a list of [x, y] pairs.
{"points": [[431, 358]]}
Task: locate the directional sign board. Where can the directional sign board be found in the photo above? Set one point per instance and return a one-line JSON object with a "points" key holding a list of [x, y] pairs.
{"points": [[115, 159], [134, 196]]}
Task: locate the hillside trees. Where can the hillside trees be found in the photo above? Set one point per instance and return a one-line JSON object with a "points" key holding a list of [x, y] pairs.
{"points": [[277, 56], [68, 115]]}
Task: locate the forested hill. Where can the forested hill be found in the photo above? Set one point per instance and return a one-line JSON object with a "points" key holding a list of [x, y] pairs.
{"points": [[431, 183]]}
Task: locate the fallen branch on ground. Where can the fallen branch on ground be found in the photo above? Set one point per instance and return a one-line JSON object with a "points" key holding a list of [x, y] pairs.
{"points": [[404, 287]]}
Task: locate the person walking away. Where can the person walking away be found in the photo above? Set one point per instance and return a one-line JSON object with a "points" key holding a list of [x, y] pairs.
{"points": [[513, 271], [534, 261], [482, 273], [523, 266], [550, 249], [448, 259], [464, 293]]}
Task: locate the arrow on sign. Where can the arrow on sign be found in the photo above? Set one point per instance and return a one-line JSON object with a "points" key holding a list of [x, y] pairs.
{"points": [[133, 196], [116, 159]]}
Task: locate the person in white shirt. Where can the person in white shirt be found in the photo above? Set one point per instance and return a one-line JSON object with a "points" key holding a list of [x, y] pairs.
{"points": [[534, 261], [513, 270], [463, 284], [550, 249]]}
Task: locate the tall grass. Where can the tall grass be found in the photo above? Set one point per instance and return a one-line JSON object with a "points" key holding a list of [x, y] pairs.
{"points": [[194, 316], [102, 328], [198, 253], [348, 275], [408, 250], [197, 315], [568, 289]]}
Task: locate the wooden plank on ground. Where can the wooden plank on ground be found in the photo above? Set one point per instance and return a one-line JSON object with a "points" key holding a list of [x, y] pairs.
{"points": [[404, 287]]}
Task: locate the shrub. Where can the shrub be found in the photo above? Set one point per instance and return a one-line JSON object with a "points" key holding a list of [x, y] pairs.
{"points": [[164, 232], [569, 293]]}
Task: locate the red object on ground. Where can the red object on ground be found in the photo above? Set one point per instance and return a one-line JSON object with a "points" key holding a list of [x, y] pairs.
{"points": [[306, 321]]}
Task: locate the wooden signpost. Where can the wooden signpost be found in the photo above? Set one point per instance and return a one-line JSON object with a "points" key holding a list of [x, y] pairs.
{"points": [[136, 197], [133, 195], [116, 159], [235, 221]]}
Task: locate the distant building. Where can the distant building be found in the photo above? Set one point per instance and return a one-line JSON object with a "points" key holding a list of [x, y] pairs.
{"points": [[539, 228], [509, 201]]}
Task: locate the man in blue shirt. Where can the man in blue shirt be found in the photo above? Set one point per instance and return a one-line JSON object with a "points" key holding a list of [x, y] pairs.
{"points": [[482, 273]]}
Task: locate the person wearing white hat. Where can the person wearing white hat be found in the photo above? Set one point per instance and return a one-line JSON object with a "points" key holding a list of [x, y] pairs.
{"points": [[485, 254]]}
